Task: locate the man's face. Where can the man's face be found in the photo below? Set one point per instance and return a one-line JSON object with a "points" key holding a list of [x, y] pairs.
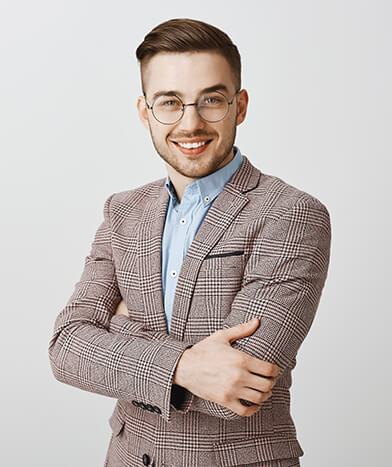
{"points": [[188, 75]]}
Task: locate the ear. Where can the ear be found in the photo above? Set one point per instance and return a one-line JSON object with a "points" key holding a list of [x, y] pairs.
{"points": [[142, 110], [242, 106]]}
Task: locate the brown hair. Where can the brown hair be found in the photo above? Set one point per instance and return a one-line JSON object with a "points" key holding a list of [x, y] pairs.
{"points": [[189, 35]]}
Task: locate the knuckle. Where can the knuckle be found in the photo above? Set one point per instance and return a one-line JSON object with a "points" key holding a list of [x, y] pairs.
{"points": [[259, 397], [270, 371], [271, 384], [240, 360], [252, 410], [225, 393], [276, 370], [236, 376], [242, 411]]}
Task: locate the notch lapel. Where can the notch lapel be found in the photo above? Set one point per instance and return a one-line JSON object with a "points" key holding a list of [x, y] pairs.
{"points": [[149, 248], [227, 205], [225, 208]]}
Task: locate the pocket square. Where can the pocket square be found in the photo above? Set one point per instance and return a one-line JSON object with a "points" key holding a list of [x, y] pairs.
{"points": [[229, 253]]}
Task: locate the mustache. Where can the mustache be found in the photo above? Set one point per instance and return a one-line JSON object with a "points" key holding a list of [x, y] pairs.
{"points": [[191, 135]]}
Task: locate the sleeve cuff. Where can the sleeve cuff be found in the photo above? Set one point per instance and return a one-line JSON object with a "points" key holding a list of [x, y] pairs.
{"points": [[180, 398]]}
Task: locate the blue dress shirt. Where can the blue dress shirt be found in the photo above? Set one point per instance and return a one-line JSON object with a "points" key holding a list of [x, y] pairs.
{"points": [[183, 221]]}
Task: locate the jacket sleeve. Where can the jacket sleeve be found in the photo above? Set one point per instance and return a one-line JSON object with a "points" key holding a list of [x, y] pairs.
{"points": [[282, 285], [84, 352]]}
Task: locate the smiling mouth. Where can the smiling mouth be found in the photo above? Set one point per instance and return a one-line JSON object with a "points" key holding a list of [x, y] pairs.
{"points": [[192, 147], [193, 144]]}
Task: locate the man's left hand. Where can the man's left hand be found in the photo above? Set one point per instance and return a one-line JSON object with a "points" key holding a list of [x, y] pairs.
{"points": [[122, 309]]}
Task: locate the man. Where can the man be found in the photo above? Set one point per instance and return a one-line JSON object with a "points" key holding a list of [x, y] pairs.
{"points": [[161, 318]]}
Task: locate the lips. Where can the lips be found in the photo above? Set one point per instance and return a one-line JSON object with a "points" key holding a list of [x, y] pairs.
{"points": [[190, 151]]}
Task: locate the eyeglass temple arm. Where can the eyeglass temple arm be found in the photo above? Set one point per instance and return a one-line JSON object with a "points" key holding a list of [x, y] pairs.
{"points": [[145, 98]]}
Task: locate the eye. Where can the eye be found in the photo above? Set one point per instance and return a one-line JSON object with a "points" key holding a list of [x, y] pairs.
{"points": [[170, 103], [212, 100]]}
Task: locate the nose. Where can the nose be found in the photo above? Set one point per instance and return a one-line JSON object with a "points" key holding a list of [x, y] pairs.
{"points": [[190, 118]]}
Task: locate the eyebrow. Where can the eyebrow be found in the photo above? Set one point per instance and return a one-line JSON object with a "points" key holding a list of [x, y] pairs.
{"points": [[216, 87]]}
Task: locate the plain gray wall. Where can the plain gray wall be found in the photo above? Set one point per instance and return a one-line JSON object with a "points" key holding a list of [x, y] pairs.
{"points": [[318, 75]]}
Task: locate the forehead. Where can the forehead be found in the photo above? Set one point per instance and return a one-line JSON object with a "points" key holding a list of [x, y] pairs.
{"points": [[188, 72]]}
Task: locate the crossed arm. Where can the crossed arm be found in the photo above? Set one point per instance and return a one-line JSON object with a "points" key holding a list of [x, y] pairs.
{"points": [[214, 371], [94, 349]]}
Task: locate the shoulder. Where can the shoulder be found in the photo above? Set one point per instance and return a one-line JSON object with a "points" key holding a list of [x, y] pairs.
{"points": [[275, 198], [134, 199], [147, 190]]}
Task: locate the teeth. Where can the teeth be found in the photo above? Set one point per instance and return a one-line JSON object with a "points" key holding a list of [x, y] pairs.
{"points": [[192, 145]]}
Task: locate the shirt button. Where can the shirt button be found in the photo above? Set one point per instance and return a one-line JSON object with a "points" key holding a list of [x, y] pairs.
{"points": [[206, 199], [173, 273], [183, 221]]}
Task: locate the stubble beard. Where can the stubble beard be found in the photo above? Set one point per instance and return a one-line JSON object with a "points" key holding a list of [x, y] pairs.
{"points": [[194, 168]]}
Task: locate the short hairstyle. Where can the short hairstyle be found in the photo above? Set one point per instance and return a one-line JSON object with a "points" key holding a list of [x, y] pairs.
{"points": [[189, 35]]}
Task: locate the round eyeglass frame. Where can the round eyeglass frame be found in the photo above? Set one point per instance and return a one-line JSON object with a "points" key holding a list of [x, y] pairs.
{"points": [[229, 102]]}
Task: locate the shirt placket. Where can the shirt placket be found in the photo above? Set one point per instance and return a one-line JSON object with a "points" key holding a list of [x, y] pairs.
{"points": [[182, 216]]}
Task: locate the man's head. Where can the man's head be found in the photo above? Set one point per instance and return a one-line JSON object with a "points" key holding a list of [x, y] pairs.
{"points": [[183, 58]]}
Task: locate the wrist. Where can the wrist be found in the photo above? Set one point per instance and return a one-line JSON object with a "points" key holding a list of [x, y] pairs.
{"points": [[180, 372]]}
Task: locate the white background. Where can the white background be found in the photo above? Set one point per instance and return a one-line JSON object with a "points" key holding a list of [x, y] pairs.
{"points": [[318, 75]]}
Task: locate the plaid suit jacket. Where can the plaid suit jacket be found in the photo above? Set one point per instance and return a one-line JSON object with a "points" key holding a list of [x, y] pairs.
{"points": [[262, 250]]}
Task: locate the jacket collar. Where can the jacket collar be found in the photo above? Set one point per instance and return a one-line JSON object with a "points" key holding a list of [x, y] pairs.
{"points": [[227, 205]]}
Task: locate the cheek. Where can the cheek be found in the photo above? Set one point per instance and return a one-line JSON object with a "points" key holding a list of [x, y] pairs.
{"points": [[159, 134], [226, 130]]}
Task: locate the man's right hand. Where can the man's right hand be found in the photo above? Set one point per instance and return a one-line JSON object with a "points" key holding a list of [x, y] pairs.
{"points": [[213, 370]]}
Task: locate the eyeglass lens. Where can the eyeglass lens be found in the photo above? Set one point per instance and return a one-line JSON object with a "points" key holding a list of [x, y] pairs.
{"points": [[212, 107]]}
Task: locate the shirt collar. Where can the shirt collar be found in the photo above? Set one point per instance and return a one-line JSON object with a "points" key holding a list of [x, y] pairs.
{"points": [[209, 187]]}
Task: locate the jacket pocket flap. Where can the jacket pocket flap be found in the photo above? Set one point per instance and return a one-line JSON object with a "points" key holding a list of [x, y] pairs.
{"points": [[252, 450]]}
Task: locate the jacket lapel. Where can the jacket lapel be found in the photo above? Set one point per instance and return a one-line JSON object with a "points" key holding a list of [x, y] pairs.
{"points": [[149, 246], [227, 205]]}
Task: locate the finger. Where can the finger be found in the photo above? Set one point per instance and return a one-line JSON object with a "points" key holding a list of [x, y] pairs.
{"points": [[244, 411], [246, 403], [240, 330], [249, 395], [261, 367], [122, 309], [259, 383]]}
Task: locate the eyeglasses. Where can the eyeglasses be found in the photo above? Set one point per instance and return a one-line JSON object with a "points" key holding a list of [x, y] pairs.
{"points": [[211, 106]]}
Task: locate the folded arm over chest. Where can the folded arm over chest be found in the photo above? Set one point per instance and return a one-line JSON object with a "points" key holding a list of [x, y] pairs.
{"points": [[283, 282], [282, 286], [118, 360], [95, 350]]}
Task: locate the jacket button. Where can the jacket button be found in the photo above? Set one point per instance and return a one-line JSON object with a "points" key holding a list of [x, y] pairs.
{"points": [[143, 406], [157, 409], [135, 403], [146, 459], [149, 407]]}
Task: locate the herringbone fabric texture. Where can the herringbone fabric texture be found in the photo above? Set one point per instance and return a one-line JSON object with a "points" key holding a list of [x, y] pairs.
{"points": [[262, 250]]}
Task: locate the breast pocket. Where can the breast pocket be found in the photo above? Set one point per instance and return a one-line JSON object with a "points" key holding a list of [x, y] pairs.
{"points": [[227, 265], [225, 259], [219, 279]]}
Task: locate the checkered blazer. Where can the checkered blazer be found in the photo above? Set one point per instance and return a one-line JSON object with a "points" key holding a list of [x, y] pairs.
{"points": [[262, 250]]}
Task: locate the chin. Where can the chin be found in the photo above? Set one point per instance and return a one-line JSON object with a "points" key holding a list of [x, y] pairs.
{"points": [[196, 172]]}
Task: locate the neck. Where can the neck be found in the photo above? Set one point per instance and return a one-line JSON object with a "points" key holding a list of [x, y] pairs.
{"points": [[180, 182]]}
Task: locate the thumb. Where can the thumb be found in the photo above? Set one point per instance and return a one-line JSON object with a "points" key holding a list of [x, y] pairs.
{"points": [[241, 330]]}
